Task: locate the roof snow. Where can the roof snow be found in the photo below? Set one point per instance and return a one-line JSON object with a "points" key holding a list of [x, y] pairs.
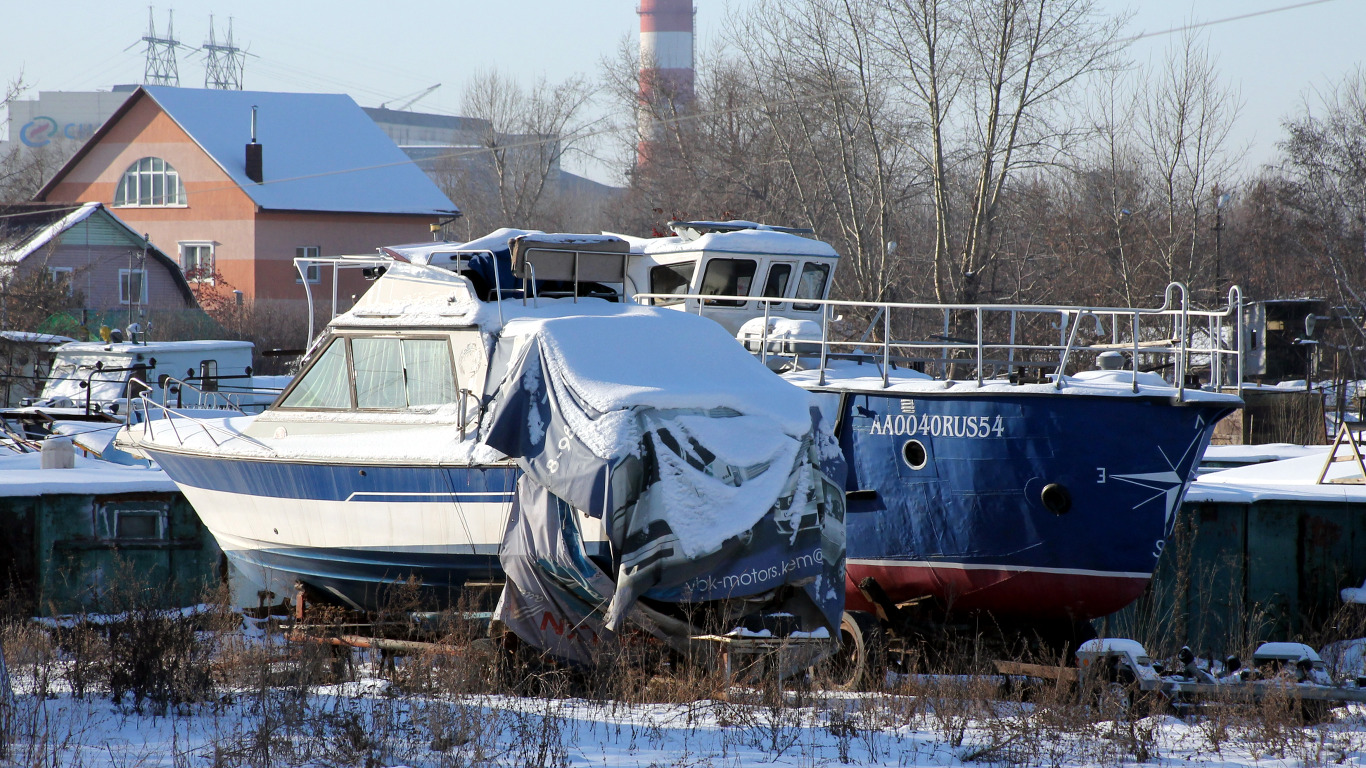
{"points": [[1287, 480], [741, 241], [321, 151], [21, 475]]}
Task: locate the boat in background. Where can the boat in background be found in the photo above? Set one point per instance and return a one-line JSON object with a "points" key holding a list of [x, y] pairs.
{"points": [[993, 479], [91, 385]]}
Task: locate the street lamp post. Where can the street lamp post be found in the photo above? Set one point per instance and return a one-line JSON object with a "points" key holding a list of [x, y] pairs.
{"points": [[1220, 200]]}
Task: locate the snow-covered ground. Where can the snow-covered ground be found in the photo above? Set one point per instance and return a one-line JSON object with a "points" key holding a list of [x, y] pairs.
{"points": [[375, 721]]}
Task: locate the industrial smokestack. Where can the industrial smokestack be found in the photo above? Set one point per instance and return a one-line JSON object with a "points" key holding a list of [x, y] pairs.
{"points": [[666, 66], [254, 161]]}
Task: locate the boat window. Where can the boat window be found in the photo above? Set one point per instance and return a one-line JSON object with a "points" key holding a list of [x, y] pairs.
{"points": [[430, 378], [811, 285], [776, 284], [671, 278], [208, 375], [728, 277], [326, 384], [402, 373], [379, 373]]}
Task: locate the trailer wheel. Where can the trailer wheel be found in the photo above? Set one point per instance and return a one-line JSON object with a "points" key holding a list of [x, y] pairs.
{"points": [[861, 659]]}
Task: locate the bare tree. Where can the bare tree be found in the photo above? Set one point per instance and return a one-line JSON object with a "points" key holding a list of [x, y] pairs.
{"points": [[24, 169], [1325, 166], [993, 78], [840, 143], [512, 178], [1184, 125]]}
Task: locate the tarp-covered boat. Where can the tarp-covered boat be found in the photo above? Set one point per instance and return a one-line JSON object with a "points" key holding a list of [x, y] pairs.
{"points": [[666, 477]]}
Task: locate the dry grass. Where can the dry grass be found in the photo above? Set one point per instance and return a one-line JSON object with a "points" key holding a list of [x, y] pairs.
{"points": [[468, 700]]}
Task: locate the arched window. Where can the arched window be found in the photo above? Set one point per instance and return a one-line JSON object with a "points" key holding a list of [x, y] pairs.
{"points": [[149, 182]]}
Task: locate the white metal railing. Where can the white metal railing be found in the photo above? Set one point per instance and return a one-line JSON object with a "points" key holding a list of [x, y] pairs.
{"points": [[338, 263], [230, 397], [143, 403], [1167, 332]]}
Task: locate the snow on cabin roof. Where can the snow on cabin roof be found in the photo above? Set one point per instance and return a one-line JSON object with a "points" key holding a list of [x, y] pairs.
{"points": [[321, 152], [126, 349], [422, 253], [750, 241], [30, 337]]}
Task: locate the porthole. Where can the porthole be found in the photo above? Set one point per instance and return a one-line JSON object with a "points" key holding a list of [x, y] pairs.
{"points": [[913, 452], [1056, 498]]}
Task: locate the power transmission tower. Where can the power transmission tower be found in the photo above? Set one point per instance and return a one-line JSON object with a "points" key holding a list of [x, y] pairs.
{"points": [[223, 64], [161, 66]]}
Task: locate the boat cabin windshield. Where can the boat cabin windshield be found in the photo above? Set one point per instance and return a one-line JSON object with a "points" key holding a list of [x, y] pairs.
{"points": [[377, 373]]}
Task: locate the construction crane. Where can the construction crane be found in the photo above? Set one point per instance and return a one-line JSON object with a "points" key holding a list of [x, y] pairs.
{"points": [[411, 99]]}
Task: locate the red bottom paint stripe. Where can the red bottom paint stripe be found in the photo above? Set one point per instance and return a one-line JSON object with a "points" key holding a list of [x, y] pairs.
{"points": [[1002, 590]]}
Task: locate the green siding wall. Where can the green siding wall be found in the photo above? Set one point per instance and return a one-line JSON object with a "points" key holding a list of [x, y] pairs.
{"points": [[1235, 574], [89, 553], [99, 229]]}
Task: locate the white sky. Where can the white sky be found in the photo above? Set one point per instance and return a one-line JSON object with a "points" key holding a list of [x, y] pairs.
{"points": [[379, 55]]}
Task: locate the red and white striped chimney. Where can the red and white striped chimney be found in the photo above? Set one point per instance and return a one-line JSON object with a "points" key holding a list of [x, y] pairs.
{"points": [[666, 65]]}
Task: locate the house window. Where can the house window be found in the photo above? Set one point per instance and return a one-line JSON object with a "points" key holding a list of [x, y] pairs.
{"points": [[132, 286], [61, 277], [150, 182], [196, 261], [314, 272]]}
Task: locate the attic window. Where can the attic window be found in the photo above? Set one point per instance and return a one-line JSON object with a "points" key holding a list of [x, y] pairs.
{"points": [[148, 183]]}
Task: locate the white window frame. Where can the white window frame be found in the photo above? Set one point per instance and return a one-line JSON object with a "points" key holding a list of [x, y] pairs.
{"points": [[314, 271], [148, 171], [58, 274], [203, 277], [125, 282]]}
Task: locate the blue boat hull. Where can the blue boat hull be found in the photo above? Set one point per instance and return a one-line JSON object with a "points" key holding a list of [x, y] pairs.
{"points": [[947, 501], [350, 531], [1031, 505]]}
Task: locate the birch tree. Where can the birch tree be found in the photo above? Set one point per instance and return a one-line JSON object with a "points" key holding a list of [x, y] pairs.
{"points": [[993, 79], [1184, 125]]}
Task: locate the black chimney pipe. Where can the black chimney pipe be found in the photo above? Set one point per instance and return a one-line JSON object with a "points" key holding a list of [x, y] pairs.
{"points": [[254, 153]]}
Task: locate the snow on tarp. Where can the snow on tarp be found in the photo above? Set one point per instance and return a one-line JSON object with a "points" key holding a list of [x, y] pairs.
{"points": [[714, 479]]}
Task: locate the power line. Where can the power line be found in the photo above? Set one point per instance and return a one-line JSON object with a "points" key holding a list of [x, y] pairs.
{"points": [[681, 119], [1240, 17], [161, 64]]}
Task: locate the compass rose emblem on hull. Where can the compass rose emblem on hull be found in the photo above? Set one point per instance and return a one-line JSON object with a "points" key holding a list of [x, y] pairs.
{"points": [[1169, 484]]}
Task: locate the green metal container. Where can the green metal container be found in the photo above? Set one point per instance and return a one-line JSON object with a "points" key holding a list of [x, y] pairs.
{"points": [[69, 552], [1260, 567]]}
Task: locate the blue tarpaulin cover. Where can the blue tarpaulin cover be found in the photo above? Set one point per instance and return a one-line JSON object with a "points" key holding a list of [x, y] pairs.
{"points": [[701, 505]]}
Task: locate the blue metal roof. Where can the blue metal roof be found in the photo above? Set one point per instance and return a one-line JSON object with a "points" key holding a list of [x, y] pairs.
{"points": [[321, 151]]}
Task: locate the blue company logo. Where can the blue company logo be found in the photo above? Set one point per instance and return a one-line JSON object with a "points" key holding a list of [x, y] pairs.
{"points": [[40, 131]]}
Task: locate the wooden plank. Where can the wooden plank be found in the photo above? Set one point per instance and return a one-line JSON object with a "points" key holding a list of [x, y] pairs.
{"points": [[1043, 671]]}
